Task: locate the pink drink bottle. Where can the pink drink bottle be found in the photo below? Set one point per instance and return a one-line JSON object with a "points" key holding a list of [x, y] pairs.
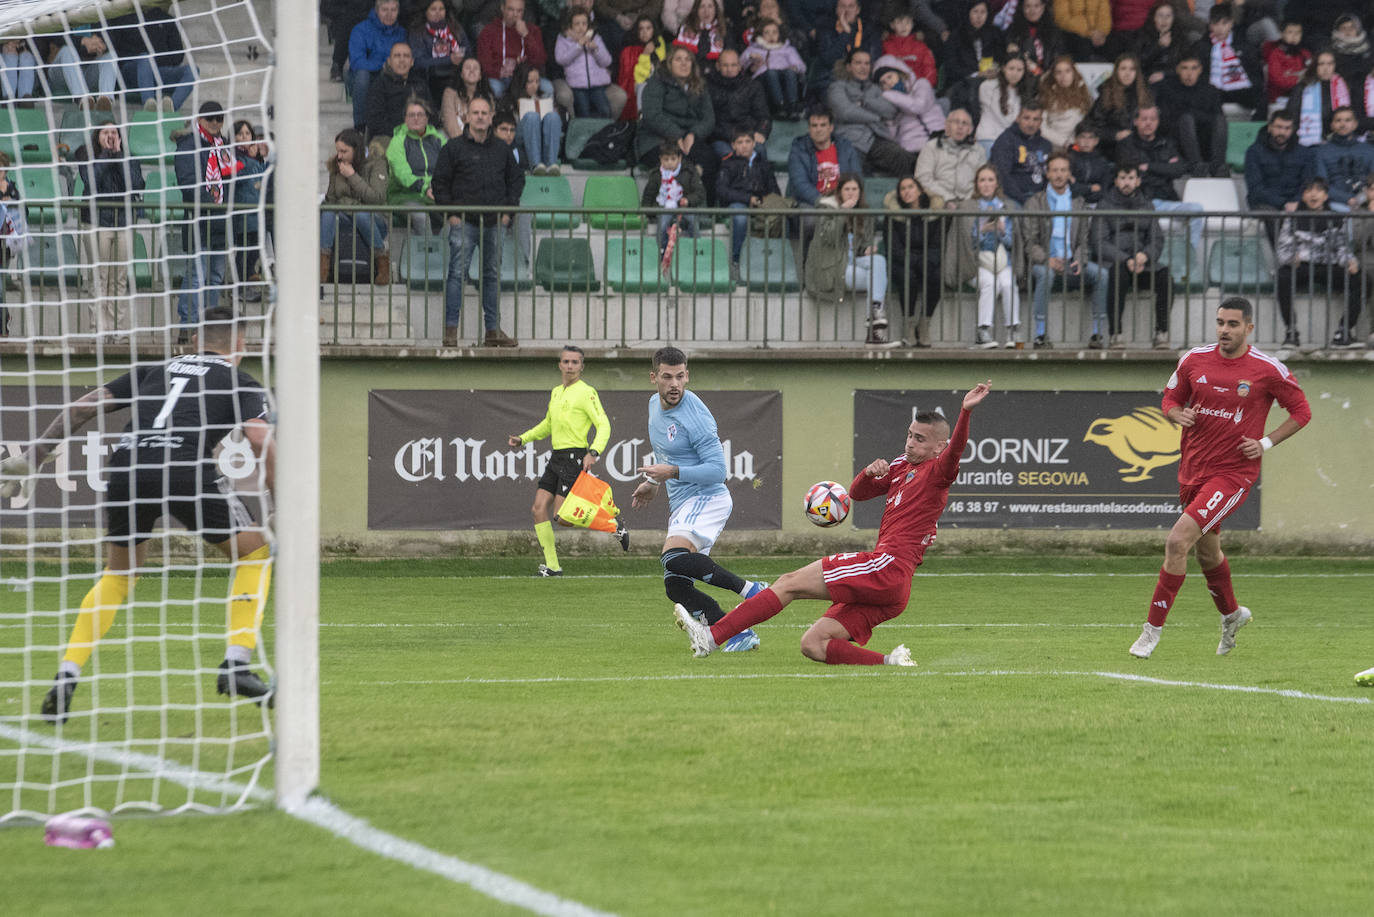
{"points": [[78, 833]]}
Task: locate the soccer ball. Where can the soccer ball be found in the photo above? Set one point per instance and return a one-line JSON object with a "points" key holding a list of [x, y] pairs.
{"points": [[827, 503]]}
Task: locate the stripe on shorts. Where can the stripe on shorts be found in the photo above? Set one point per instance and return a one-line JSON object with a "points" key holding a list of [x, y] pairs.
{"points": [[1230, 504], [872, 565]]}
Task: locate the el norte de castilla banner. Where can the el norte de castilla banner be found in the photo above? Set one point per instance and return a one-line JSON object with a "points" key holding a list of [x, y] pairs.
{"points": [[439, 459], [1044, 460]]}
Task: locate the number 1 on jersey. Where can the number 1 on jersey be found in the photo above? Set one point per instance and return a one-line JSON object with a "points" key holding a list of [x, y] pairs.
{"points": [[178, 386]]}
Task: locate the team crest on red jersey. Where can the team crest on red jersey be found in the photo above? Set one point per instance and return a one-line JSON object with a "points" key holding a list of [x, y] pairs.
{"points": [[1242, 388]]}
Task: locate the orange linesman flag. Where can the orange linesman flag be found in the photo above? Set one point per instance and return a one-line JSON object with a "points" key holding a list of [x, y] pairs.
{"points": [[589, 504]]}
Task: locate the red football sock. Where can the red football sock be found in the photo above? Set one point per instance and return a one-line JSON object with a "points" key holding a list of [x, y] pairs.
{"points": [[1165, 592], [1219, 585], [748, 613], [842, 652]]}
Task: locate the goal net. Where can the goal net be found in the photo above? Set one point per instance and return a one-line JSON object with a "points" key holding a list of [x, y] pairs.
{"points": [[133, 200]]}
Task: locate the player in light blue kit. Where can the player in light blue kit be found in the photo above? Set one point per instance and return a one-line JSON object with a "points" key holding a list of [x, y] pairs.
{"points": [[689, 457]]}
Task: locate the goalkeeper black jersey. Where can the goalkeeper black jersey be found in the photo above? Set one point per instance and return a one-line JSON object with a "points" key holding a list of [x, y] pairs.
{"points": [[182, 409]]}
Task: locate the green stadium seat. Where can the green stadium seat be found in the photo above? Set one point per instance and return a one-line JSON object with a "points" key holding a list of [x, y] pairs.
{"points": [[632, 265], [702, 266], [617, 193], [565, 266], [76, 127], [580, 130], [549, 191], [876, 187], [424, 263], [515, 273], [1239, 138], [53, 258], [150, 135], [768, 265], [1185, 265], [780, 142], [161, 196], [39, 190], [1243, 264], [26, 136]]}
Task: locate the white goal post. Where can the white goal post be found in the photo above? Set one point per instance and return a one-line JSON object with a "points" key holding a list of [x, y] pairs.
{"points": [[98, 285]]}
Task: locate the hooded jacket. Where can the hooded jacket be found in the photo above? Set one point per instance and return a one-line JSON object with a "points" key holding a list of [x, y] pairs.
{"points": [[860, 111], [919, 115]]}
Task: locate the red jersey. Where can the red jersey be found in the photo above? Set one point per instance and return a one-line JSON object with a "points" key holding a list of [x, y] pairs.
{"points": [[1232, 399], [916, 496]]}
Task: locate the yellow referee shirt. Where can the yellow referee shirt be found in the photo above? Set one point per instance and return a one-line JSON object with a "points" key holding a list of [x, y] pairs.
{"points": [[573, 410]]}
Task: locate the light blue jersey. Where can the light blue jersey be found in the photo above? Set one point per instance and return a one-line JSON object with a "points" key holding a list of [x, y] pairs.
{"points": [[686, 436]]}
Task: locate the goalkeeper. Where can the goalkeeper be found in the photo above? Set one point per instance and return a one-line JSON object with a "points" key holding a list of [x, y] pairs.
{"points": [[165, 464], [574, 409]]}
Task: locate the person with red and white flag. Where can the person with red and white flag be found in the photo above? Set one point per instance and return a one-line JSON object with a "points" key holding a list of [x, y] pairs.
{"points": [[206, 168], [1220, 395]]}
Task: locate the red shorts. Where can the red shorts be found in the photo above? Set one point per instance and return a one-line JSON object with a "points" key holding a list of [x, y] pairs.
{"points": [[1214, 499], [868, 588]]}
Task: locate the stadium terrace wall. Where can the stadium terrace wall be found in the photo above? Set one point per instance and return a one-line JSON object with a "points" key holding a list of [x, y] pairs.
{"points": [[1321, 500], [1319, 496]]}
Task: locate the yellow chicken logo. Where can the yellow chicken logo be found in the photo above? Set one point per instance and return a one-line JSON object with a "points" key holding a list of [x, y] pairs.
{"points": [[1144, 439]]}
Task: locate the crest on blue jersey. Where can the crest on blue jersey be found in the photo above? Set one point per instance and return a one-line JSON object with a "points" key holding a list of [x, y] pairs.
{"points": [[672, 432], [1242, 388]]}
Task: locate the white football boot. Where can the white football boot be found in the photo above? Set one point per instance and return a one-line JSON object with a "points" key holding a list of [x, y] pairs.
{"points": [[703, 644], [1229, 625], [1145, 644], [899, 656]]}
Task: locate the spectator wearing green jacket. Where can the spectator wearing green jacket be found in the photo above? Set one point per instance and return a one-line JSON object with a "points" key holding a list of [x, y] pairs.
{"points": [[412, 153]]}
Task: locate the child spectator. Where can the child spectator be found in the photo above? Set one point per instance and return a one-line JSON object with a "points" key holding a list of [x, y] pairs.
{"points": [[1315, 243], [744, 180], [1226, 65], [522, 223], [247, 194], [586, 65], [644, 51], [1092, 172], [765, 9], [919, 116], [1284, 62], [772, 59], [907, 48], [677, 187], [1066, 100]]}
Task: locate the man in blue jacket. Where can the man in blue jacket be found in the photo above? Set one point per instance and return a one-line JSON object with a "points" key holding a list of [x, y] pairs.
{"points": [[1276, 168], [814, 166], [369, 45], [1344, 160]]}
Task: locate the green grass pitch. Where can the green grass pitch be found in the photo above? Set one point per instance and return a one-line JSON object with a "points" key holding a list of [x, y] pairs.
{"points": [[559, 731]]}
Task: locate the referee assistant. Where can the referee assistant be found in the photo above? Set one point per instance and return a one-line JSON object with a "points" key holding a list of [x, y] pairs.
{"points": [[574, 408]]}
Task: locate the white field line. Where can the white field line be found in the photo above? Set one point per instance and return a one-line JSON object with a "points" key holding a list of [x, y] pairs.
{"points": [[872, 673], [323, 814]]}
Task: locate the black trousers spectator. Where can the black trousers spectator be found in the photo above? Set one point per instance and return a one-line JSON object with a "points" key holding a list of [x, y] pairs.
{"points": [[1310, 276], [913, 274], [343, 16], [885, 157], [1204, 143], [1250, 99], [1122, 281]]}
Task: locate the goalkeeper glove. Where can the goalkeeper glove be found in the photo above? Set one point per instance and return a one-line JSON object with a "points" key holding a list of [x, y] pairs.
{"points": [[16, 477]]}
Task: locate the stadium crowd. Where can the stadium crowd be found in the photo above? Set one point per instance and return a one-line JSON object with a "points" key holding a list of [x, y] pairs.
{"points": [[1137, 97]]}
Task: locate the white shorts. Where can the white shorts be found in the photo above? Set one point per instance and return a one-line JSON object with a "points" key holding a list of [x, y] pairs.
{"points": [[701, 520]]}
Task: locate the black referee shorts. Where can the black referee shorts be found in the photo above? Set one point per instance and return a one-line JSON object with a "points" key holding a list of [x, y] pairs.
{"points": [[562, 470], [136, 498]]}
